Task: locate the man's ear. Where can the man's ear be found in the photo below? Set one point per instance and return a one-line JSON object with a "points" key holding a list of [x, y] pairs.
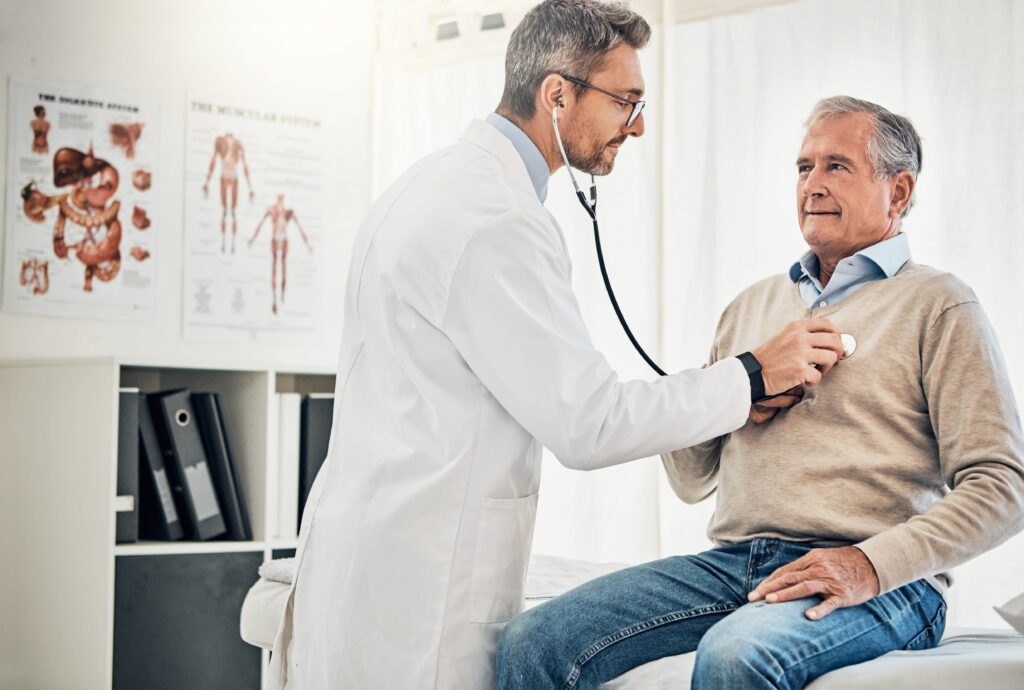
{"points": [[902, 192], [553, 93]]}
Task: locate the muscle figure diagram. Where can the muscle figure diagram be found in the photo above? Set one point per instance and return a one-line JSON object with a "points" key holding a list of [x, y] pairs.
{"points": [[35, 273], [231, 154], [93, 182], [279, 217], [40, 128]]}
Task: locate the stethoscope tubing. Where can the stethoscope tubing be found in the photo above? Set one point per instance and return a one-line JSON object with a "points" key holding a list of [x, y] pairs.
{"points": [[591, 209]]}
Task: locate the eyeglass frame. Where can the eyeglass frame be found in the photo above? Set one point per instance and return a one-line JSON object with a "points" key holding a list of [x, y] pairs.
{"points": [[634, 114]]}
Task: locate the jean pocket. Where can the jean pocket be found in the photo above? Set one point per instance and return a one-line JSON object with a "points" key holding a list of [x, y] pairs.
{"points": [[502, 552], [932, 633]]}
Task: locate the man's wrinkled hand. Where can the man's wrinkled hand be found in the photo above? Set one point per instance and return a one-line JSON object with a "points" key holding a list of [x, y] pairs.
{"points": [[841, 576], [761, 412]]}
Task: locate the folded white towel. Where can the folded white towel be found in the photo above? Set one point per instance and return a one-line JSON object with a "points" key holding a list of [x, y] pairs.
{"points": [[1013, 613], [278, 570]]}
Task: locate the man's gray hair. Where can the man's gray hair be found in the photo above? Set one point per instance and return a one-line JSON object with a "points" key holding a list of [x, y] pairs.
{"points": [[569, 37], [893, 147]]}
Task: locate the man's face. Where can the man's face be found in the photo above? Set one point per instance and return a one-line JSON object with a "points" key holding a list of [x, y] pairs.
{"points": [[841, 206], [597, 127]]}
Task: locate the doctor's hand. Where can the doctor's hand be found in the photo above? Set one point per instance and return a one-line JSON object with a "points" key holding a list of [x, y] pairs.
{"points": [[761, 412], [841, 576], [800, 354]]}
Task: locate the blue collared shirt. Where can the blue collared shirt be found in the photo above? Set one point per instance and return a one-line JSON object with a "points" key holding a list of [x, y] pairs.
{"points": [[881, 260], [536, 166]]}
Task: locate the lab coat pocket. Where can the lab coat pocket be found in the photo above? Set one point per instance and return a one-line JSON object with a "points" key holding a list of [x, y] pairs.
{"points": [[503, 540]]}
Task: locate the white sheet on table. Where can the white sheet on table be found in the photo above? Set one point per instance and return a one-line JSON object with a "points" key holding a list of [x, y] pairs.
{"points": [[965, 658]]}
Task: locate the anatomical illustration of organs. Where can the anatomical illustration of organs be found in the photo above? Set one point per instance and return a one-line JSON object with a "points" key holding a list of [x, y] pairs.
{"points": [[35, 275], [88, 205], [125, 135]]}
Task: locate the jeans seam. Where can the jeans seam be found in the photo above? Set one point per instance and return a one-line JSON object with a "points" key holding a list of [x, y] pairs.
{"points": [[756, 558], [750, 569], [928, 629], [636, 629], [797, 659]]}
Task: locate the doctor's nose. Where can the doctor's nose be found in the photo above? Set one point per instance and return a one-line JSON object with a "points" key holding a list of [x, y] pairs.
{"points": [[637, 128]]}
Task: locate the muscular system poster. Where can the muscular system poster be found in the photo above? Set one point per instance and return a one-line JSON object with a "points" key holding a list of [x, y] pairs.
{"points": [[253, 222], [81, 223]]}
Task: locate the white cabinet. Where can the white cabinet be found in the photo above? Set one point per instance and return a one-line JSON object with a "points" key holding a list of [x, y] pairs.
{"points": [[58, 456]]}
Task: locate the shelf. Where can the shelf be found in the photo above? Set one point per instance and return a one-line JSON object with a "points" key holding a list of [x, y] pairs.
{"points": [[160, 548], [279, 543], [78, 467]]}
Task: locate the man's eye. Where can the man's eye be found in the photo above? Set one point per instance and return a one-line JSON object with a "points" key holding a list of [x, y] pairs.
{"points": [[803, 168], [836, 166]]}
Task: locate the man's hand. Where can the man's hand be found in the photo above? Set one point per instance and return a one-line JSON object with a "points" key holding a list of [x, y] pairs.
{"points": [[801, 353], [841, 576], [763, 411]]}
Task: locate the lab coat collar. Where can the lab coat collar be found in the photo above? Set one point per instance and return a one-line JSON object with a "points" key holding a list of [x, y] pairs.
{"points": [[528, 151], [487, 137]]}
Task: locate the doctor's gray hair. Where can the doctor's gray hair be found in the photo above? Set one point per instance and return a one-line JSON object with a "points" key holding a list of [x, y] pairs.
{"points": [[893, 147], [569, 37]]}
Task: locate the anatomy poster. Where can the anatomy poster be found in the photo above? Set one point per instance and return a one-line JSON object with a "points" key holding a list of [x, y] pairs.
{"points": [[81, 215], [253, 222]]}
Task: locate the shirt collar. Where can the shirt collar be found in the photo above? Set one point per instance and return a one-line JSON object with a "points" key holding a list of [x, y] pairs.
{"points": [[888, 255], [536, 166]]}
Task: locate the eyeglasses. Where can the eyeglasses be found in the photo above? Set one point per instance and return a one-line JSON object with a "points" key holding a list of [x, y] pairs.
{"points": [[637, 106]]}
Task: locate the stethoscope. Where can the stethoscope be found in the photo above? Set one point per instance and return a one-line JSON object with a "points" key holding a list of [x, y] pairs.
{"points": [[591, 208], [849, 342]]}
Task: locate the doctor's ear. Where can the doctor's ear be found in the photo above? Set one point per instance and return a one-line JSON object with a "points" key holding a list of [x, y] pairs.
{"points": [[552, 94]]}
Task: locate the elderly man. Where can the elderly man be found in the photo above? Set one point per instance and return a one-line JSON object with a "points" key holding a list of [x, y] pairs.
{"points": [[840, 508]]}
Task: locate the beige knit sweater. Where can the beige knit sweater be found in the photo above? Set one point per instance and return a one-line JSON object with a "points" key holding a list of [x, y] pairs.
{"points": [[911, 448]]}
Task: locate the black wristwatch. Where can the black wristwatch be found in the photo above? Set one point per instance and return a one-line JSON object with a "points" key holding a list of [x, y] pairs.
{"points": [[753, 368]]}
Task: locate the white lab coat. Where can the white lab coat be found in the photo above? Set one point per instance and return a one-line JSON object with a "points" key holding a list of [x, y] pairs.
{"points": [[463, 352]]}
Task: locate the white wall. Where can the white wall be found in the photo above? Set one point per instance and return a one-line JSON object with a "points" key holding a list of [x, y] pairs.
{"points": [[312, 55]]}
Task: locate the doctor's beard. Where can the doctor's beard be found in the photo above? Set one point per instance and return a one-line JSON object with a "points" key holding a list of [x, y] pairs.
{"points": [[593, 158]]}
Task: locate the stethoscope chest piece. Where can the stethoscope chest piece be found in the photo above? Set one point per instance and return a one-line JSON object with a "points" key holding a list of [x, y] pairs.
{"points": [[849, 345]]}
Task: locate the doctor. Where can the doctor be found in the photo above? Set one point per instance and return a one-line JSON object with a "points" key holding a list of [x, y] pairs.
{"points": [[463, 353]]}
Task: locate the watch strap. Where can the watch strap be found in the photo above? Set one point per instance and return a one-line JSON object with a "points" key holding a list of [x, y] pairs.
{"points": [[753, 368]]}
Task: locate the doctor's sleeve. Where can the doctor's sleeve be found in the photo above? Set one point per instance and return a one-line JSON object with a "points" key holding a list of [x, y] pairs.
{"points": [[693, 472], [513, 317]]}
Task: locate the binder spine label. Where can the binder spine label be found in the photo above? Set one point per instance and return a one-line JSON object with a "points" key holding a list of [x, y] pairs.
{"points": [[166, 499], [201, 484]]}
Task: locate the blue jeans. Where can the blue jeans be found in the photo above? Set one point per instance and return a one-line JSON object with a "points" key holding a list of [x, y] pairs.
{"points": [[610, 625]]}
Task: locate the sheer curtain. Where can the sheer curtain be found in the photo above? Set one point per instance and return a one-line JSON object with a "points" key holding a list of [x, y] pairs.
{"points": [[703, 205], [422, 105], [745, 84]]}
